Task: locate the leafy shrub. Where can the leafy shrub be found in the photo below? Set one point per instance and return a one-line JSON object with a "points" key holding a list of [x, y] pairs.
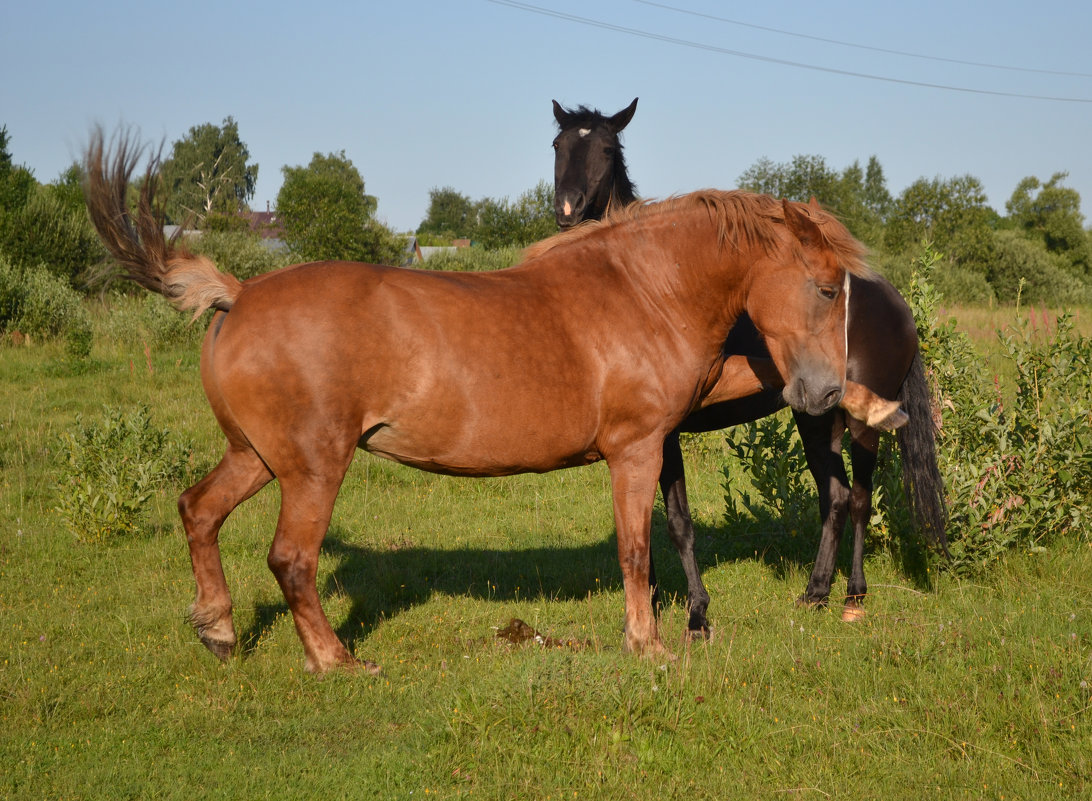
{"points": [[36, 302], [1022, 266], [110, 471], [1016, 460], [148, 320], [960, 285], [505, 223], [242, 254], [47, 231], [784, 489], [474, 259], [957, 284]]}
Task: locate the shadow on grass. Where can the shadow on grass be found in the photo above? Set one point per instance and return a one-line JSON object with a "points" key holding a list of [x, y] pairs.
{"points": [[382, 583]]}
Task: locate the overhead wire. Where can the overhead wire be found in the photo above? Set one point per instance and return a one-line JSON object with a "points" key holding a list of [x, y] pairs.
{"points": [[529, 7], [859, 46]]}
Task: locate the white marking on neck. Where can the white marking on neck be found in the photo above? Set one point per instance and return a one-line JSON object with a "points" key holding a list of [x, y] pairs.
{"points": [[584, 132]]}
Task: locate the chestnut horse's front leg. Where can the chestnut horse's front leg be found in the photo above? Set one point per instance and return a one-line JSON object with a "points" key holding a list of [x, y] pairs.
{"points": [[633, 478]]}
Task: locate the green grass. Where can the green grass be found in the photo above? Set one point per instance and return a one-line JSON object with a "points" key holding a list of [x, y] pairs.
{"points": [[949, 688]]}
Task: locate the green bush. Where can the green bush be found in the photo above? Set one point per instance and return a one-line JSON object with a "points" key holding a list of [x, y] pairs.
{"points": [[1016, 459], [241, 253], [35, 302], [784, 490], [1022, 266], [957, 284], [111, 469], [474, 259], [961, 285], [47, 231], [148, 319]]}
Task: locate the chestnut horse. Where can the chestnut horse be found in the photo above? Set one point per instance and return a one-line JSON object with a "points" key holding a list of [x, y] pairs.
{"points": [[596, 346], [590, 175]]}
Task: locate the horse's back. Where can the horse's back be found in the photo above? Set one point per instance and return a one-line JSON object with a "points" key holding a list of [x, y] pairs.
{"points": [[455, 373]]}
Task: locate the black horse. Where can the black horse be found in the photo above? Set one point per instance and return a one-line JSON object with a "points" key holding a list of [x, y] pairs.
{"points": [[589, 176]]}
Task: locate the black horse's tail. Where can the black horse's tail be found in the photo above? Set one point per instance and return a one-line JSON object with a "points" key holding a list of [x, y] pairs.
{"points": [[135, 238], [917, 445]]}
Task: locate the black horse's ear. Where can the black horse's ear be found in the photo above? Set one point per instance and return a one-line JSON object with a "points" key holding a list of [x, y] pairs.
{"points": [[622, 118], [561, 115]]}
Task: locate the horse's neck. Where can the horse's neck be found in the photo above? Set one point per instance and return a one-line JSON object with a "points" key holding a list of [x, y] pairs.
{"points": [[695, 270]]}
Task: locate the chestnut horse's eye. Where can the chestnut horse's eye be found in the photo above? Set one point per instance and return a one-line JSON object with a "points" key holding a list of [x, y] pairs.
{"points": [[829, 291]]}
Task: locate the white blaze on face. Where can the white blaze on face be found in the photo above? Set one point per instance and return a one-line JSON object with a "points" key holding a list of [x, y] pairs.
{"points": [[568, 209], [845, 288], [584, 132]]}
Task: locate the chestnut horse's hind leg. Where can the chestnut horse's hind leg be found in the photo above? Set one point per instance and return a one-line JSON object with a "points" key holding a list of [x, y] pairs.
{"points": [[307, 502], [203, 508]]}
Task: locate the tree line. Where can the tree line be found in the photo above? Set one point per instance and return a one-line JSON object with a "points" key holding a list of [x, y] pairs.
{"points": [[1039, 247]]}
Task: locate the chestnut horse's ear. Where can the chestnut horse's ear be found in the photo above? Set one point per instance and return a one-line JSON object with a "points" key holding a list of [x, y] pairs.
{"points": [[560, 114], [622, 118], [801, 225]]}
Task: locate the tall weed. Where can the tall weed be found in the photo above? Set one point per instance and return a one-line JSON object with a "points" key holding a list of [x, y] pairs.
{"points": [[780, 490], [110, 469]]}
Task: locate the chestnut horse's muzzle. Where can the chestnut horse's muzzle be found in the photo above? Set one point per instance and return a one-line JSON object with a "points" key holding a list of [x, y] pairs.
{"points": [[813, 395]]}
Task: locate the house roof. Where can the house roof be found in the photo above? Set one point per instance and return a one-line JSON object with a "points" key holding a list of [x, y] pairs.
{"points": [[265, 224]]}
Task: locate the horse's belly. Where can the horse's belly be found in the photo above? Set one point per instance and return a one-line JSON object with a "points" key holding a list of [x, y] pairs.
{"points": [[482, 452]]}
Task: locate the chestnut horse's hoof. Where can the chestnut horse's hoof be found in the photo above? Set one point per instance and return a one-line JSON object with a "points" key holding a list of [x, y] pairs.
{"points": [[220, 649], [652, 649]]}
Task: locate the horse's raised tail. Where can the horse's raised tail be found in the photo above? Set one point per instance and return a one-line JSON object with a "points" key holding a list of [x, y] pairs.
{"points": [[136, 239], [917, 445]]}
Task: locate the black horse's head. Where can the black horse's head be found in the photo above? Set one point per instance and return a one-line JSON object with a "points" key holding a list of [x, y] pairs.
{"points": [[589, 171]]}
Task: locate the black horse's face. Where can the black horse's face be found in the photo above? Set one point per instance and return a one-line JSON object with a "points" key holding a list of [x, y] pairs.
{"points": [[585, 159], [583, 163]]}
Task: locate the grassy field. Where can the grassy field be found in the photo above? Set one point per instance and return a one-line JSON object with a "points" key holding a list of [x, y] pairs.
{"points": [[950, 688]]}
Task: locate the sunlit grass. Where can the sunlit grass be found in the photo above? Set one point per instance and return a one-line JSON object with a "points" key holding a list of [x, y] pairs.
{"points": [[970, 689]]}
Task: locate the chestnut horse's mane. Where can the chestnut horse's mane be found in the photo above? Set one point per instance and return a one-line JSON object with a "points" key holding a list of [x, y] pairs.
{"points": [[743, 218]]}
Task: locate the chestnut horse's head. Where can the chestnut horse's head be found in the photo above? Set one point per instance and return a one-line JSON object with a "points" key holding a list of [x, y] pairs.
{"points": [[804, 322], [589, 171]]}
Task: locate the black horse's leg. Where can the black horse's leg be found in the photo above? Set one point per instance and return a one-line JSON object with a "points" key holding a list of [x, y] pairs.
{"points": [[863, 452], [680, 527], [822, 438]]}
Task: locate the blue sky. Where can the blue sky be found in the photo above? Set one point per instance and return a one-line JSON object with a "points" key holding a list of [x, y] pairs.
{"points": [[426, 93]]}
